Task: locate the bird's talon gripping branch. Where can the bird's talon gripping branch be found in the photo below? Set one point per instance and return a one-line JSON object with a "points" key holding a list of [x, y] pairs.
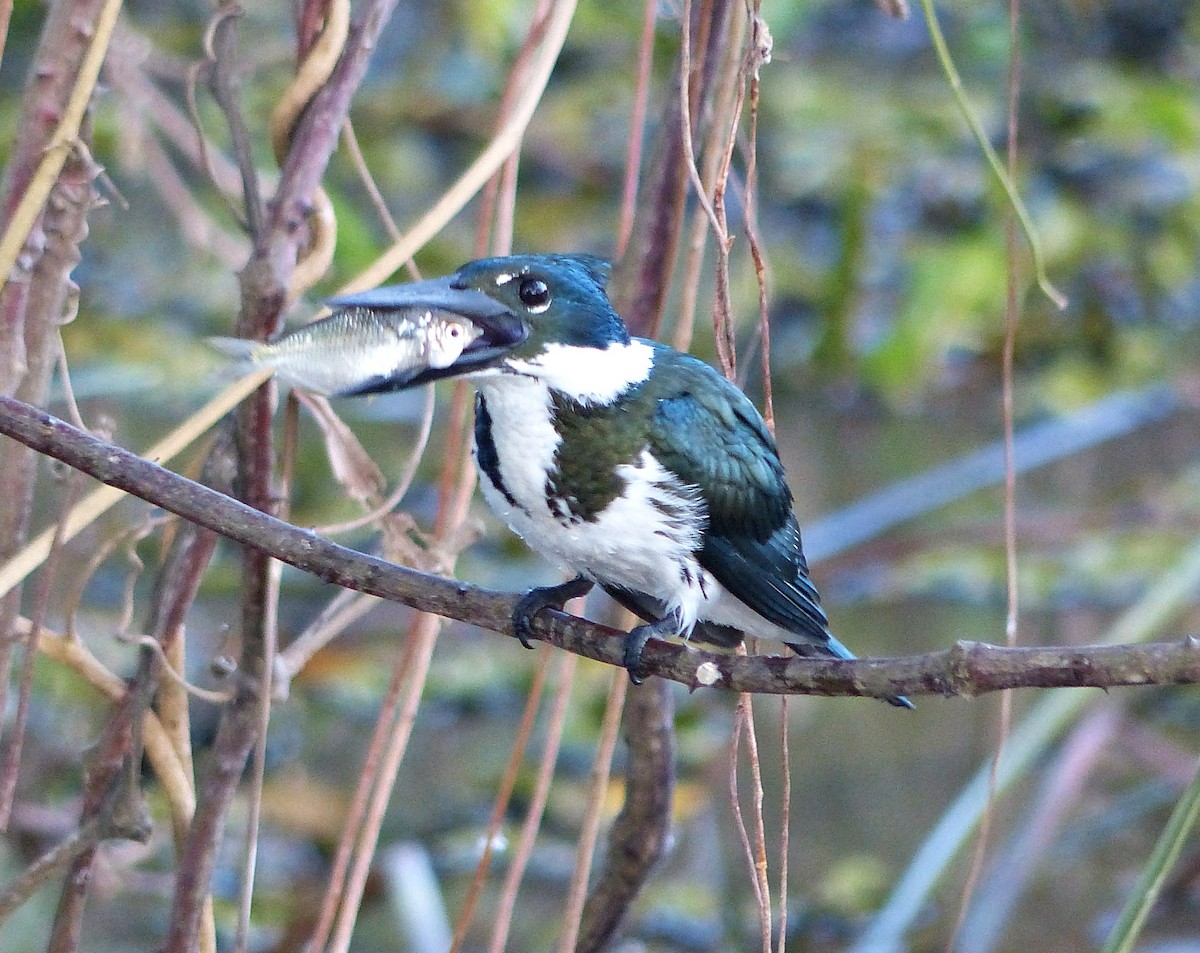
{"points": [[636, 641], [545, 597]]}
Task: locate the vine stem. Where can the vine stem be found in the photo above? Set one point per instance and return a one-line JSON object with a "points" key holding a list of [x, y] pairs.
{"points": [[1006, 183], [506, 140], [61, 143]]}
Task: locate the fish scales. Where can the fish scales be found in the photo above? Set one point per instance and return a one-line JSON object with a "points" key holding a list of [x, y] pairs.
{"points": [[355, 348]]}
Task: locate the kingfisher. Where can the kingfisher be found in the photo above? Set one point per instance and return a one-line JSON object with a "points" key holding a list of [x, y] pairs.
{"points": [[630, 464]]}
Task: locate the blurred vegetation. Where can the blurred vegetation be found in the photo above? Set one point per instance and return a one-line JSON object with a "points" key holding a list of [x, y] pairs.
{"points": [[886, 248]]}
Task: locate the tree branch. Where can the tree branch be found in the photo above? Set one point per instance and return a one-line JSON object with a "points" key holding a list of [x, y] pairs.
{"points": [[967, 668]]}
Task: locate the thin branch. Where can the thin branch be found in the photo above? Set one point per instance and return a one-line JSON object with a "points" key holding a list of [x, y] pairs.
{"points": [[1011, 314], [501, 146], [758, 865], [335, 883], [637, 127], [111, 794], [500, 802], [968, 668], [555, 721], [735, 799], [454, 494], [220, 45], [316, 134], [423, 635], [498, 197], [50, 163], [378, 202], [785, 818], [572, 920], [46, 583], [1006, 183], [641, 832]]}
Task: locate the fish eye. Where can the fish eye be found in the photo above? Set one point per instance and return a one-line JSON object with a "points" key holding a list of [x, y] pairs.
{"points": [[454, 330], [534, 294]]}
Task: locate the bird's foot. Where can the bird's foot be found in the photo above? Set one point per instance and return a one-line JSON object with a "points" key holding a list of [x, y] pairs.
{"points": [[637, 638], [545, 597]]}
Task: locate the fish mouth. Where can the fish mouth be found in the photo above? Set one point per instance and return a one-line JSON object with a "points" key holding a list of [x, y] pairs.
{"points": [[500, 329]]}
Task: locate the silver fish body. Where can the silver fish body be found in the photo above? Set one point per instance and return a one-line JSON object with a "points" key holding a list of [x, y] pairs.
{"points": [[359, 349]]}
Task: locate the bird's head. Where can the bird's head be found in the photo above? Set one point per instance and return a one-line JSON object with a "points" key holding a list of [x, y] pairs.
{"points": [[543, 316]]}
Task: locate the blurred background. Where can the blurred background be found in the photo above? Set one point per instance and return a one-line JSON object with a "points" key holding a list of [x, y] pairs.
{"points": [[884, 238]]}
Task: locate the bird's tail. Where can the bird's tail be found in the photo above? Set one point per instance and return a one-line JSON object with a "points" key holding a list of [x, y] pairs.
{"points": [[832, 646]]}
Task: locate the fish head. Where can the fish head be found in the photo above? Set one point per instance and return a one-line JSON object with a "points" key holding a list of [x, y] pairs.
{"points": [[447, 337]]}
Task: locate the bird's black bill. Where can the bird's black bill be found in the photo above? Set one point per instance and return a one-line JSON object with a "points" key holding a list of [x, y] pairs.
{"points": [[501, 329]]}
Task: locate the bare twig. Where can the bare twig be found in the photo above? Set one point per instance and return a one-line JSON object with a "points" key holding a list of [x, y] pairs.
{"points": [[455, 489], [555, 721], [220, 43], [121, 816], [111, 794], [498, 197], [265, 284], [99, 501], [501, 146], [601, 765], [1012, 314], [33, 174], [500, 802], [423, 635], [735, 798], [335, 885], [378, 202], [16, 736], [39, 244], [785, 819], [637, 127], [49, 300], [758, 857], [51, 864], [402, 484]]}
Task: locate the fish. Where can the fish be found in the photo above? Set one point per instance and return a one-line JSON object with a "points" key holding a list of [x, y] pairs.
{"points": [[359, 350]]}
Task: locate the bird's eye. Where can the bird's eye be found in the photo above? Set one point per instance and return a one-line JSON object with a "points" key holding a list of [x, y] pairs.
{"points": [[534, 294]]}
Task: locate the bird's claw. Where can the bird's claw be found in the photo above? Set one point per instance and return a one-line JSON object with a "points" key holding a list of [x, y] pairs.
{"points": [[544, 597], [636, 639]]}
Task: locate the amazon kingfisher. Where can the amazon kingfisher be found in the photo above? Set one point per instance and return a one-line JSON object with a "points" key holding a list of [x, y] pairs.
{"points": [[634, 466]]}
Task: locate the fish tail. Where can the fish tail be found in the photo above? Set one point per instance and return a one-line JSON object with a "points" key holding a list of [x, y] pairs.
{"points": [[242, 350]]}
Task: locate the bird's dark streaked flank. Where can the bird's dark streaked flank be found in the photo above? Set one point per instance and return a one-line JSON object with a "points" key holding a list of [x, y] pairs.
{"points": [[637, 467]]}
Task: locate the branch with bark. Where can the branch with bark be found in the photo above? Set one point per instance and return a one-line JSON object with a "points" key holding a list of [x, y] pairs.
{"points": [[967, 668]]}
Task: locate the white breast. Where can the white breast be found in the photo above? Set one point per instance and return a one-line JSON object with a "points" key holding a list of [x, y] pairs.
{"points": [[644, 540]]}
